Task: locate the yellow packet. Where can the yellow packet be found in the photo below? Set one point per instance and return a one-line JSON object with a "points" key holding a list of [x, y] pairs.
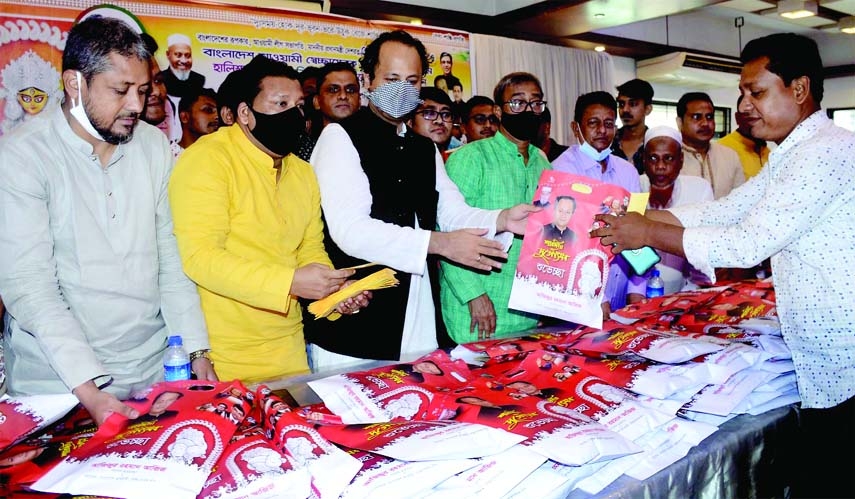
{"points": [[325, 307]]}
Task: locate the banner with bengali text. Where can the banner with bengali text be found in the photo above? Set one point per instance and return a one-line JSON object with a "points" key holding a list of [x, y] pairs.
{"points": [[223, 39]]}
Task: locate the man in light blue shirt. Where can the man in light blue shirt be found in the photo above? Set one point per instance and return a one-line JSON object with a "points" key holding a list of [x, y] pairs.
{"points": [[89, 267], [594, 127]]}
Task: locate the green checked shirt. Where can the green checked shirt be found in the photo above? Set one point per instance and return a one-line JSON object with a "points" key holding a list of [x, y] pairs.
{"points": [[491, 174]]}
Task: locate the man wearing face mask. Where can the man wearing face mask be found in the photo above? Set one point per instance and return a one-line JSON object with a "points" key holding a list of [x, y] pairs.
{"points": [[89, 267], [383, 191], [594, 128], [248, 223], [498, 171]]}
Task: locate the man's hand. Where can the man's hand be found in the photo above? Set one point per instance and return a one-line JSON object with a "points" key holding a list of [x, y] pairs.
{"points": [[315, 281], [483, 316], [203, 368], [624, 232], [658, 229], [467, 247], [353, 304], [633, 298], [101, 404], [607, 310], [515, 218]]}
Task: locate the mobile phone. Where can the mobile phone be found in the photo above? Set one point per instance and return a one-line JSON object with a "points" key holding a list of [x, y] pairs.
{"points": [[641, 259]]}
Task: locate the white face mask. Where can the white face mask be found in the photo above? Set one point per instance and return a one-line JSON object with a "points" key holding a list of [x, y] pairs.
{"points": [[79, 113]]}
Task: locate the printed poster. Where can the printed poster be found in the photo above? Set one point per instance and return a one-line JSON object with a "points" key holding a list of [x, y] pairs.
{"points": [[562, 271]]}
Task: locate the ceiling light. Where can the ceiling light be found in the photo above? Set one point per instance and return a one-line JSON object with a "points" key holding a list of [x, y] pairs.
{"points": [[416, 22], [600, 48], [796, 9], [599, 15], [847, 25]]}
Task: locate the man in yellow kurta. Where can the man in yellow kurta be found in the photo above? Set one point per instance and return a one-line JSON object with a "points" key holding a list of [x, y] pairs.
{"points": [[248, 223], [753, 152]]}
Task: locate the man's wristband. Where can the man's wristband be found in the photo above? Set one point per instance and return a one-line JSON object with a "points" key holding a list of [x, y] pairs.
{"points": [[201, 354]]}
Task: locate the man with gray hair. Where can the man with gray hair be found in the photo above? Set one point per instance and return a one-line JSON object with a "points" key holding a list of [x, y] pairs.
{"points": [[89, 266], [497, 171]]}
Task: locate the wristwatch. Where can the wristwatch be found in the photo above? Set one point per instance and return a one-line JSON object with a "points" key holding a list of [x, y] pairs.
{"points": [[201, 354]]}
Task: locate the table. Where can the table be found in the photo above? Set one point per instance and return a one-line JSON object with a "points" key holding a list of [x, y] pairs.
{"points": [[748, 457]]}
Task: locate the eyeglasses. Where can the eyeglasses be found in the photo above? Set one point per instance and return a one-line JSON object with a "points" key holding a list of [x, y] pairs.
{"points": [[482, 119], [430, 114], [518, 106]]}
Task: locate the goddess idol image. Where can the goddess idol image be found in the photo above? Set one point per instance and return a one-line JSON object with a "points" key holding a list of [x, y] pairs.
{"points": [[29, 85]]}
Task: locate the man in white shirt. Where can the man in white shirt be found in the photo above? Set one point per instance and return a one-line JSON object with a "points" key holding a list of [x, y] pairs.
{"points": [[663, 160], [383, 191], [89, 267], [702, 157], [800, 211]]}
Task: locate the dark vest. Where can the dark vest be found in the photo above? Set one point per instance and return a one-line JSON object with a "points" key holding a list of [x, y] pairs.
{"points": [[401, 173]]}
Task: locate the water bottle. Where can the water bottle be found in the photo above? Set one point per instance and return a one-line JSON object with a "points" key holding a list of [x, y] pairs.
{"points": [[655, 284], [176, 362]]}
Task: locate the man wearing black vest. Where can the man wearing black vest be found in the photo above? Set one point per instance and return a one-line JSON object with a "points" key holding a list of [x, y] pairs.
{"points": [[383, 191]]}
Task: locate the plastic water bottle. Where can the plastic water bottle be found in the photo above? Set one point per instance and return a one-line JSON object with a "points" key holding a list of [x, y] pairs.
{"points": [[176, 362], [655, 284]]}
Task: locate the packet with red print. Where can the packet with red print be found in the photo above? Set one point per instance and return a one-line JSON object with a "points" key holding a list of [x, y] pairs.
{"points": [[23, 416], [397, 392], [423, 440], [643, 376], [504, 350], [562, 271], [530, 400], [733, 358], [331, 468], [666, 310], [385, 477], [168, 451], [738, 302], [493, 476], [563, 382], [25, 462], [252, 467], [660, 346]]}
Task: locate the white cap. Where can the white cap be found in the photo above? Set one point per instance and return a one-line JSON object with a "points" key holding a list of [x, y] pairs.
{"points": [[113, 12], [177, 39], [662, 131]]}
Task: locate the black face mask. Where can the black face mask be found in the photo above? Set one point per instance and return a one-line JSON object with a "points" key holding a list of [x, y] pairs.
{"points": [[279, 132], [523, 126]]}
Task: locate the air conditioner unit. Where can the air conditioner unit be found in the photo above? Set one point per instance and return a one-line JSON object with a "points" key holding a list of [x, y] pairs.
{"points": [[694, 71]]}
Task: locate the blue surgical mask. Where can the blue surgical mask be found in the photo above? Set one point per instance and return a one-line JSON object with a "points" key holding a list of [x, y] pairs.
{"points": [[594, 154], [79, 114]]}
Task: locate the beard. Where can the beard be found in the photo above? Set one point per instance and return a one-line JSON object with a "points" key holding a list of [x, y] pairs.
{"points": [[181, 74], [105, 130]]}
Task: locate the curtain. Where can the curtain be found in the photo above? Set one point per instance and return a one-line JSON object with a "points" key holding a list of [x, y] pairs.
{"points": [[565, 73]]}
